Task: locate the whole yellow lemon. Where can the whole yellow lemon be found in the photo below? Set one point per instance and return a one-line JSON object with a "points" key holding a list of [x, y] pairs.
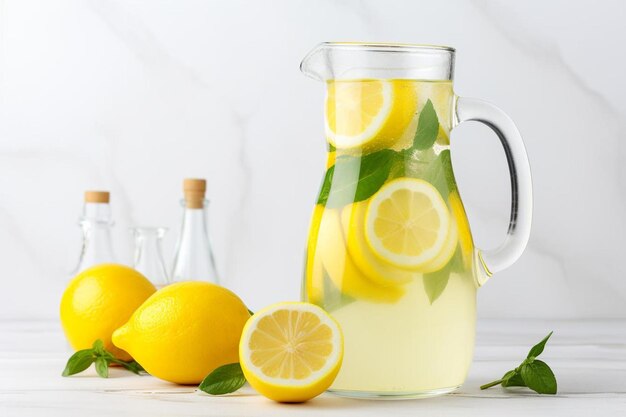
{"points": [[184, 331], [98, 301]]}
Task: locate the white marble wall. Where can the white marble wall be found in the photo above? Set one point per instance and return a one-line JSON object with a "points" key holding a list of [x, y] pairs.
{"points": [[132, 96]]}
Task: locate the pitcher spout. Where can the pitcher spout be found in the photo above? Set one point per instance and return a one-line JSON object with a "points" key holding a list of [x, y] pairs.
{"points": [[315, 63], [354, 60]]}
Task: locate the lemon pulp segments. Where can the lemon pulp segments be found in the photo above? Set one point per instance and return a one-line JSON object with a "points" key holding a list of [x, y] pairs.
{"points": [[407, 223], [291, 351], [291, 343]]}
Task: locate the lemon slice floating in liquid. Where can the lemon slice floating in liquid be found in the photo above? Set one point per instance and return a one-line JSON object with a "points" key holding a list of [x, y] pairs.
{"points": [[407, 224], [368, 114]]}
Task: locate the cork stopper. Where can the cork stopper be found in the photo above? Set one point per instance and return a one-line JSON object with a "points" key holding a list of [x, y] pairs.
{"points": [[97, 197], [194, 189]]}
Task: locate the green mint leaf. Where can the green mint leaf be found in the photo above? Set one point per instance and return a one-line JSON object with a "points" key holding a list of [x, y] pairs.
{"points": [[102, 367], [98, 348], [223, 380], [331, 147], [132, 366], [538, 348], [436, 282], [513, 379], [411, 163], [538, 376], [78, 362], [427, 127], [531, 373], [326, 185], [440, 175], [334, 298], [354, 179]]}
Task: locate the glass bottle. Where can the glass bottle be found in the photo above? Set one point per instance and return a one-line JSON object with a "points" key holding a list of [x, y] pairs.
{"points": [[148, 256], [194, 258], [96, 224]]}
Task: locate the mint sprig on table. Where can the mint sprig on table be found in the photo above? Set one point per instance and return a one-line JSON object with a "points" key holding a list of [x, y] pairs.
{"points": [[531, 373], [83, 359], [223, 380]]}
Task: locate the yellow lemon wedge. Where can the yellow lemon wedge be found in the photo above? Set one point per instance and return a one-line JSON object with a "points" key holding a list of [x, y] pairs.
{"points": [[353, 220], [407, 224], [291, 351], [368, 114]]}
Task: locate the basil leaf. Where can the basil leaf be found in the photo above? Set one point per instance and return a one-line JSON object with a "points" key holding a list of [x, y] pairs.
{"points": [[538, 348], [102, 367], [353, 179], [427, 127], [78, 362], [538, 376], [223, 380]]}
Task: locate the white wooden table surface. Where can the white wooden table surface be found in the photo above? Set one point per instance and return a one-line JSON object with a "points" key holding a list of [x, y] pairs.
{"points": [[588, 358]]}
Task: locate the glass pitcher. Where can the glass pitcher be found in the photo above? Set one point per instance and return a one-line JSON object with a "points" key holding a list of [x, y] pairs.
{"points": [[390, 253]]}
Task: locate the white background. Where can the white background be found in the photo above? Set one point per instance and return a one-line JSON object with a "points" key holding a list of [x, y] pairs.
{"points": [[134, 96]]}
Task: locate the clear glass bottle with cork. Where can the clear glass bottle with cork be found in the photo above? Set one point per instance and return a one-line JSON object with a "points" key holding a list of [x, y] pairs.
{"points": [[194, 258], [96, 223]]}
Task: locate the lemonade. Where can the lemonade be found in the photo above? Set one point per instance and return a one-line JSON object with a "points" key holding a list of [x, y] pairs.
{"points": [[390, 253]]}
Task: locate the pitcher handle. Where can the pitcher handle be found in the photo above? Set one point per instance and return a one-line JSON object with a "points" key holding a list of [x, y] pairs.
{"points": [[509, 251]]}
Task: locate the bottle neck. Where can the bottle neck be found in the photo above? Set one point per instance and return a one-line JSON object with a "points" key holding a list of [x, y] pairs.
{"points": [[96, 225], [194, 223], [194, 258]]}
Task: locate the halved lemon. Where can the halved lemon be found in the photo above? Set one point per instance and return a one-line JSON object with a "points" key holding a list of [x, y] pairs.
{"points": [[369, 114], [407, 224], [353, 221], [291, 352]]}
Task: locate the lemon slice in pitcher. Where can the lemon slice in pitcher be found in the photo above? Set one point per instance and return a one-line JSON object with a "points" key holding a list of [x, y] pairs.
{"points": [[291, 352], [369, 114], [407, 224]]}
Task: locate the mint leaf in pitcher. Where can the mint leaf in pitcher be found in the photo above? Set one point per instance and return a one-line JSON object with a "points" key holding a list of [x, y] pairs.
{"points": [[436, 282], [440, 175], [427, 127], [354, 178]]}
